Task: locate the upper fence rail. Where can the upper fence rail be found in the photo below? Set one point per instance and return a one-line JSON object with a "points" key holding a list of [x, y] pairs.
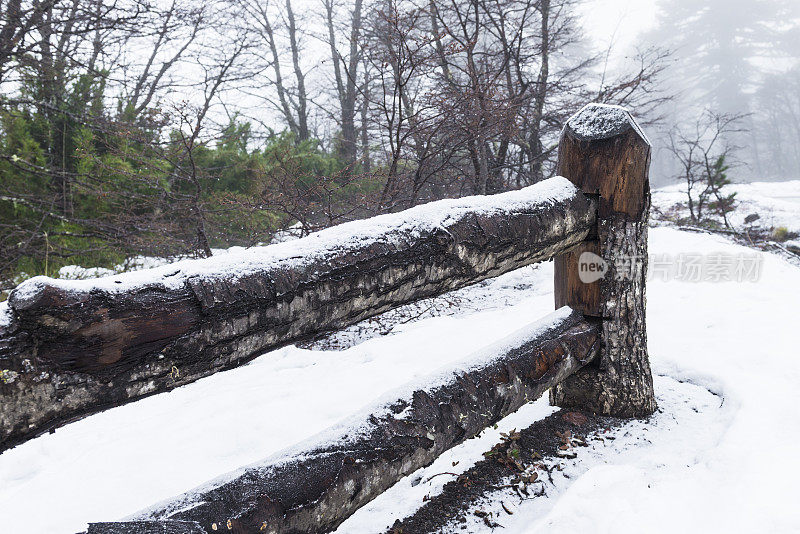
{"points": [[72, 348]]}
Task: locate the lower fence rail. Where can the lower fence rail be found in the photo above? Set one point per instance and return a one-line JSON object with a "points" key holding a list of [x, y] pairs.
{"points": [[317, 485]]}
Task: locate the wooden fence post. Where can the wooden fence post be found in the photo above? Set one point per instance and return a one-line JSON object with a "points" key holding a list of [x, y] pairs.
{"points": [[604, 152]]}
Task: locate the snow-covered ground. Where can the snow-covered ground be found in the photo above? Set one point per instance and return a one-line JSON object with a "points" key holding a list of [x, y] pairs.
{"points": [[690, 415], [776, 203], [719, 455]]}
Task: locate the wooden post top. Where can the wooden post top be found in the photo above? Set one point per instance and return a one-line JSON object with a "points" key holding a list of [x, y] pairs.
{"points": [[603, 151], [602, 121]]}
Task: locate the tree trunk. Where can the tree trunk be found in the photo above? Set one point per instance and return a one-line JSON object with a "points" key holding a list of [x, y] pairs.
{"points": [[346, 82], [540, 95], [302, 100], [283, 96], [366, 163], [604, 152]]}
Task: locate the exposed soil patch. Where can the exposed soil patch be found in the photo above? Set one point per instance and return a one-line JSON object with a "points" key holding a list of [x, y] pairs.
{"points": [[517, 464]]}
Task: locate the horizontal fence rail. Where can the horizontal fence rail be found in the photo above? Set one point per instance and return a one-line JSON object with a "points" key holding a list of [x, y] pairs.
{"points": [[316, 486], [73, 348], [77, 347]]}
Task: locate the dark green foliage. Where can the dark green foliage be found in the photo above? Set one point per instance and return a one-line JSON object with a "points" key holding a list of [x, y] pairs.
{"points": [[80, 185], [717, 178]]}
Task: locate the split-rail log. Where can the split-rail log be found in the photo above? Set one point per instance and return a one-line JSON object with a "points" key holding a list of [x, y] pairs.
{"points": [[317, 486], [605, 153], [72, 348]]}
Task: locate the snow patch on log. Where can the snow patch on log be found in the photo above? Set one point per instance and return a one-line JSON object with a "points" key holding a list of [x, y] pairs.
{"points": [[5, 314], [601, 121]]}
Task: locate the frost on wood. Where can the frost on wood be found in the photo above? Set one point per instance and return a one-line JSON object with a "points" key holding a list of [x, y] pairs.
{"points": [[78, 347], [315, 486]]}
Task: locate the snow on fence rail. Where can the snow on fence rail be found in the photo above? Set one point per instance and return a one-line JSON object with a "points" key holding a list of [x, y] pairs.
{"points": [[73, 348], [315, 486], [77, 347]]}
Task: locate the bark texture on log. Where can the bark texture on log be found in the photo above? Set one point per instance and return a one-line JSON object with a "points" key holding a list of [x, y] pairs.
{"points": [[74, 348], [146, 527], [315, 488], [604, 152]]}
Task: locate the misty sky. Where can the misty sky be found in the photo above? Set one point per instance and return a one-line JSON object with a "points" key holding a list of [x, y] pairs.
{"points": [[620, 20]]}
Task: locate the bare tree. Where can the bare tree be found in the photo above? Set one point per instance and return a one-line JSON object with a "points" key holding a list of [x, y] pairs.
{"points": [[495, 59], [276, 28], [345, 70], [705, 153], [776, 128], [466, 90], [175, 29]]}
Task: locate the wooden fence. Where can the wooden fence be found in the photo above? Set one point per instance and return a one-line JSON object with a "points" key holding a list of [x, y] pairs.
{"points": [[75, 348]]}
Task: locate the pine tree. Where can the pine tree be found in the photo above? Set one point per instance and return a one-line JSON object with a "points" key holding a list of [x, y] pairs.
{"points": [[717, 178]]}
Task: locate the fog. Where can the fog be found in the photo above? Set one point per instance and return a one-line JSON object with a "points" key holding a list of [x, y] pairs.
{"points": [[732, 57]]}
